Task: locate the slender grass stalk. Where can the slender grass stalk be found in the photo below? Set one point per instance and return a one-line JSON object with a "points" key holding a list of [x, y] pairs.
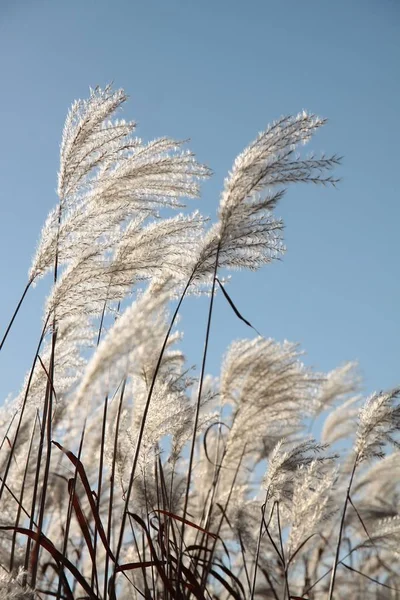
{"points": [[45, 433], [47, 412], [209, 502], [198, 405], [260, 532], [341, 529], [102, 443], [22, 410], [284, 565], [207, 570], [21, 496], [99, 480], [5, 436], [28, 285], [61, 574], [111, 494]]}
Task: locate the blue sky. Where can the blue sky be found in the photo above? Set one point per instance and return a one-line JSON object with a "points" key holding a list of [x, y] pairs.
{"points": [[218, 71]]}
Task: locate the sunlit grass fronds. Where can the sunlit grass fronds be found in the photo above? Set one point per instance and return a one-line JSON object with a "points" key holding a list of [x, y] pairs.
{"points": [[269, 161], [105, 175], [381, 479], [140, 253], [156, 174], [247, 235], [12, 588], [312, 504], [338, 384], [269, 390], [75, 336], [89, 139], [127, 474], [341, 422], [379, 422], [135, 333], [285, 461]]}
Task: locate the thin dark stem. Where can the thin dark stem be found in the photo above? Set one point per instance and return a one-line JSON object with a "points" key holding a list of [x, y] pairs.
{"points": [[5, 437], [28, 285], [101, 322], [285, 567], [383, 563], [102, 445], [111, 496], [263, 508], [146, 496], [341, 528], [21, 497], [209, 500], [35, 490], [46, 432], [100, 478], [388, 587], [47, 414], [69, 514], [198, 405], [22, 411], [218, 531], [242, 552]]}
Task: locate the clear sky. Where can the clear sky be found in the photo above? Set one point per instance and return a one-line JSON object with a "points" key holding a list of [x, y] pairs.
{"points": [[218, 71]]}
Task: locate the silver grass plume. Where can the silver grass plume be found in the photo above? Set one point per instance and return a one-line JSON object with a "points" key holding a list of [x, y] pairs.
{"points": [[286, 460], [338, 384], [75, 336], [106, 175], [269, 389], [341, 422], [381, 480], [134, 334], [12, 588], [379, 421], [312, 503], [89, 139], [247, 235], [141, 253]]}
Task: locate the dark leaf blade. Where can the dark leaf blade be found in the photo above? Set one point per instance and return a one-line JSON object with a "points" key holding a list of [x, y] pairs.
{"points": [[235, 310], [45, 543], [82, 473], [181, 520]]}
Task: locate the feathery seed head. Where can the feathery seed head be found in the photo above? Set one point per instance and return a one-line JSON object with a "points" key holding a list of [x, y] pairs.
{"points": [[379, 422]]}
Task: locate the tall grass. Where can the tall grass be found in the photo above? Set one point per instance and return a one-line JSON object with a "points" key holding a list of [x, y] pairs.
{"points": [[123, 475]]}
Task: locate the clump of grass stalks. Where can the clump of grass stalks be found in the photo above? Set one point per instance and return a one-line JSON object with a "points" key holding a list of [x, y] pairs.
{"points": [[126, 475]]}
